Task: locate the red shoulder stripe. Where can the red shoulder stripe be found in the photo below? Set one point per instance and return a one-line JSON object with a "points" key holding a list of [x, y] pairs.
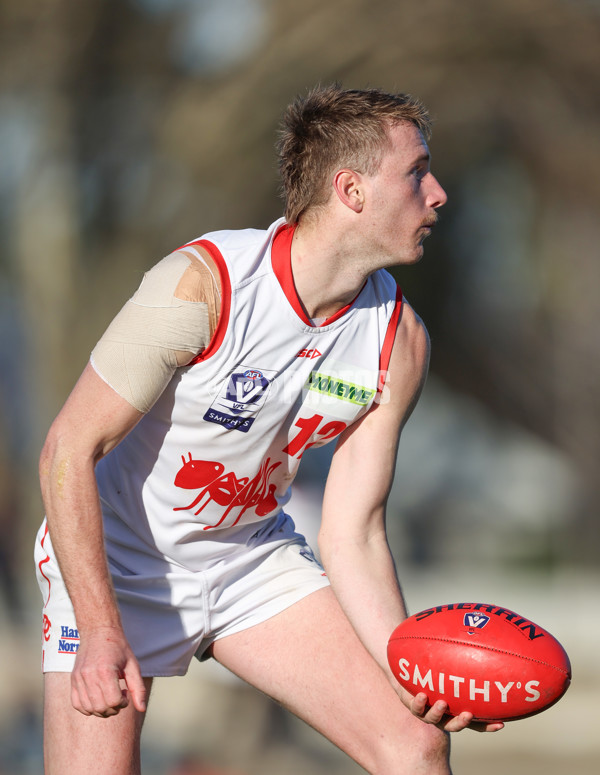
{"points": [[388, 342], [219, 334]]}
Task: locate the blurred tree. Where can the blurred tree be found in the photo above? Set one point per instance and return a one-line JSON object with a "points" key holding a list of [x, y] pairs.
{"points": [[138, 125]]}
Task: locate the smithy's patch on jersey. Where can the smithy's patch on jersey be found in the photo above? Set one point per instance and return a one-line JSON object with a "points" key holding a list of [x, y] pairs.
{"points": [[240, 398]]}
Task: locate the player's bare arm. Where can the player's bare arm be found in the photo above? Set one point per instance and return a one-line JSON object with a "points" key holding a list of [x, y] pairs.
{"points": [[353, 538], [92, 422]]}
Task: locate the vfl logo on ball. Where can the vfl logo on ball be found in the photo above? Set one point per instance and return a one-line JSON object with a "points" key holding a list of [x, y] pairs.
{"points": [[476, 620], [240, 398]]}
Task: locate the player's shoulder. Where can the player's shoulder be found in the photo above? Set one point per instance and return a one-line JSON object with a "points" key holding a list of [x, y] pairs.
{"points": [[200, 275], [406, 373], [240, 240], [241, 253], [185, 274], [412, 342]]}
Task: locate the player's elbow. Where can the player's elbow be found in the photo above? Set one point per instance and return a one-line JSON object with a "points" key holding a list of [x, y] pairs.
{"points": [[51, 453], [64, 448], [344, 542], [330, 544], [47, 455]]}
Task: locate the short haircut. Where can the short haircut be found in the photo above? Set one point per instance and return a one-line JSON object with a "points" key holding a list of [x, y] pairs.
{"points": [[333, 128]]}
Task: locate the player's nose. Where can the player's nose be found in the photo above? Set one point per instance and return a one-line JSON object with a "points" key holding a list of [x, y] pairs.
{"points": [[436, 196]]}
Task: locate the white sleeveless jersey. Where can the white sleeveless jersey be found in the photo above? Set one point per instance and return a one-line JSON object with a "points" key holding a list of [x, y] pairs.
{"points": [[221, 447]]}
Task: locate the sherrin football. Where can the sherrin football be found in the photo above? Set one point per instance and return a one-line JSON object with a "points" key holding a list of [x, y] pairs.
{"points": [[481, 658]]}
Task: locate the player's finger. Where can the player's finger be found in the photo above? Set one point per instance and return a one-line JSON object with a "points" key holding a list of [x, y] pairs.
{"points": [[436, 713], [465, 721], [482, 726], [136, 686], [456, 723], [107, 695], [99, 694], [79, 696], [418, 704], [111, 702]]}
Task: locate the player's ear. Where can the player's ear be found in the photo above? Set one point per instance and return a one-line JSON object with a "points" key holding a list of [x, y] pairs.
{"points": [[348, 187]]}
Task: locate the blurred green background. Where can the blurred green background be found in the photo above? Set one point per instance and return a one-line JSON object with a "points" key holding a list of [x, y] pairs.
{"points": [[129, 127]]}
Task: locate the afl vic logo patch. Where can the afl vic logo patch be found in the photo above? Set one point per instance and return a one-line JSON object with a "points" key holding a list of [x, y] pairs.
{"points": [[476, 620], [240, 398]]}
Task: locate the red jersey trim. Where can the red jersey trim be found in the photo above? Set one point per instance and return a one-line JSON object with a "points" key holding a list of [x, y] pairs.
{"points": [[281, 261], [388, 342], [222, 323]]}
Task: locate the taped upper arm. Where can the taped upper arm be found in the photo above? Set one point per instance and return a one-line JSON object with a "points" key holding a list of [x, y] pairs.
{"points": [[200, 282], [166, 323]]}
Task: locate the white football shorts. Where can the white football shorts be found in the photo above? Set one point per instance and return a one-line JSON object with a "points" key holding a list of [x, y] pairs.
{"points": [[171, 613]]}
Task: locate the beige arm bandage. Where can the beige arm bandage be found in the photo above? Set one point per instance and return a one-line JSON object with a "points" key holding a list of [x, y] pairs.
{"points": [[167, 322]]}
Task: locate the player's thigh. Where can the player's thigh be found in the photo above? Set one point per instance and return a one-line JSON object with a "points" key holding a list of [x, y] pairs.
{"points": [[310, 660], [81, 744]]}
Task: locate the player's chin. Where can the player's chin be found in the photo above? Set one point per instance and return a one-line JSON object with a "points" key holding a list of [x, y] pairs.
{"points": [[407, 257], [417, 255]]}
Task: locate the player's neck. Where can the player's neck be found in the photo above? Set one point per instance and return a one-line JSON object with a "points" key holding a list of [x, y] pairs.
{"points": [[326, 274]]}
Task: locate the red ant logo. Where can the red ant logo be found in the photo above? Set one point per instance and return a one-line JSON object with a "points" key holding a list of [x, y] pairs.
{"points": [[226, 489]]}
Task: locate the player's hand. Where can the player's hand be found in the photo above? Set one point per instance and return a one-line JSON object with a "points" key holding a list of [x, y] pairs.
{"points": [[106, 675], [437, 714]]}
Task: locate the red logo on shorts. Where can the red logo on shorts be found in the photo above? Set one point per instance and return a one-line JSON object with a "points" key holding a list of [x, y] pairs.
{"points": [[225, 489], [47, 625]]}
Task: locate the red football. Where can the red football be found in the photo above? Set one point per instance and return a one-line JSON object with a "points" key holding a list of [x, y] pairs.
{"points": [[480, 658]]}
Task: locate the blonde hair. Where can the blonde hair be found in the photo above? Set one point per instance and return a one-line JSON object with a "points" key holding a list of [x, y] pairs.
{"points": [[332, 128]]}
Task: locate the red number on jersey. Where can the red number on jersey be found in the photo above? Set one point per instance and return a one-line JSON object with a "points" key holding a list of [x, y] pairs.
{"points": [[309, 428]]}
